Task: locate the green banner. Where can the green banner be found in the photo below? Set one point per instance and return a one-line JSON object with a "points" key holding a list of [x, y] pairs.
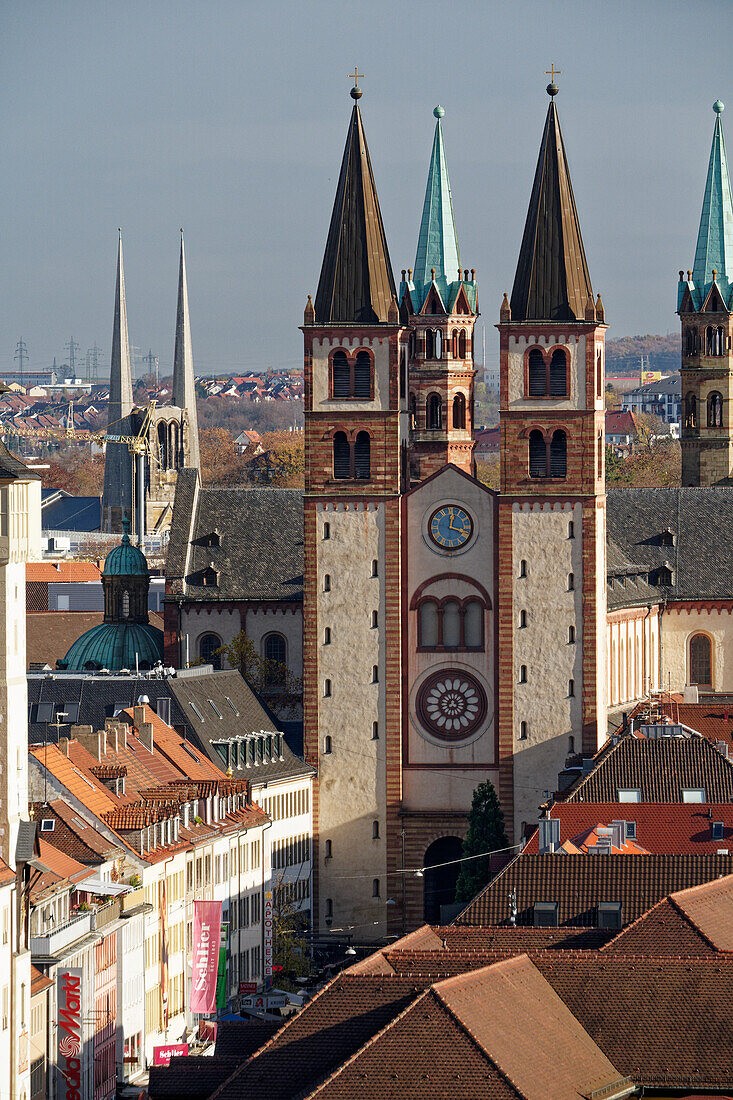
{"points": [[221, 976]]}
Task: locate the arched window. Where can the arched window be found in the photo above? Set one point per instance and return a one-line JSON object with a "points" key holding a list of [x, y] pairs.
{"points": [[690, 411], [411, 343], [427, 624], [173, 445], [362, 456], [719, 340], [403, 373], [341, 457], [462, 344], [459, 411], [559, 454], [599, 374], [473, 624], [125, 605], [715, 410], [710, 340], [451, 624], [434, 412], [454, 344], [701, 664], [438, 344], [429, 344], [363, 375], [208, 646], [536, 374], [690, 341], [558, 374], [413, 411], [275, 654], [163, 445], [341, 375], [537, 454]]}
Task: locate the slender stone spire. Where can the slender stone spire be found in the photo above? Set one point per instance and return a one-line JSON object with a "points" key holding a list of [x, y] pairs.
{"points": [[120, 375], [437, 243], [117, 494], [184, 387], [552, 281], [356, 284], [714, 250]]}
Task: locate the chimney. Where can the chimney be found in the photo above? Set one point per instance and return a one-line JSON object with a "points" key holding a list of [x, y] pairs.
{"points": [[138, 715], [64, 745], [145, 733]]}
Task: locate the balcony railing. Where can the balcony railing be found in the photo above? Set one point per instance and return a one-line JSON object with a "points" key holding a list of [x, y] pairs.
{"points": [[105, 914], [58, 938]]}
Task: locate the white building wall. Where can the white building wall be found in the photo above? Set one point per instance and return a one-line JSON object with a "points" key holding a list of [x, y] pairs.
{"points": [[289, 803], [352, 775], [553, 717]]}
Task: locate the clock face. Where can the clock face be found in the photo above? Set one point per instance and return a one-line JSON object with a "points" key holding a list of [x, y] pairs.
{"points": [[451, 705], [450, 527]]}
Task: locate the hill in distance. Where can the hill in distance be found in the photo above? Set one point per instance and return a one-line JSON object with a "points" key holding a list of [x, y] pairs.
{"points": [[624, 354]]}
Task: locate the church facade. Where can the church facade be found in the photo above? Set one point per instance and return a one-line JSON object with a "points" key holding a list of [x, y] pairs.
{"points": [[451, 633], [147, 447]]}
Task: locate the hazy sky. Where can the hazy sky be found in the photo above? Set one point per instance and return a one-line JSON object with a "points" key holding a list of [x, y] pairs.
{"points": [[229, 119]]}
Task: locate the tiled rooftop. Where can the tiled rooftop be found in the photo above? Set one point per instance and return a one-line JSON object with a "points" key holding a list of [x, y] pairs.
{"points": [[661, 827]]}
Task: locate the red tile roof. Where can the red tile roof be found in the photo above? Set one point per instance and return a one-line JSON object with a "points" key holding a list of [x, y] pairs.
{"points": [[62, 571], [620, 423], [661, 827]]}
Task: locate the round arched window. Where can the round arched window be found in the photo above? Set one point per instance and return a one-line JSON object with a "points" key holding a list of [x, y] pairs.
{"points": [[208, 646], [275, 654]]}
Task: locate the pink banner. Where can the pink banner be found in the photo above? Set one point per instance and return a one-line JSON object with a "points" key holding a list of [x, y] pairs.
{"points": [[206, 937]]}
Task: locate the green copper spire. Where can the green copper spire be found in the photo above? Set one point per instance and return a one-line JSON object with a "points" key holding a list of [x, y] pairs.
{"points": [[715, 240], [437, 244]]}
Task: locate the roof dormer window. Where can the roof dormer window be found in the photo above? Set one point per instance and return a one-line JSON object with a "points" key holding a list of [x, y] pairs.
{"points": [[213, 538], [210, 576]]}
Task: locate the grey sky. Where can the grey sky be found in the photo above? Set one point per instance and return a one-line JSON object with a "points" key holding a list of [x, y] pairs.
{"points": [[229, 119]]}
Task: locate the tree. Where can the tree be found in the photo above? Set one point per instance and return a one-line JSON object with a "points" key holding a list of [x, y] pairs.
{"points": [[286, 458], [290, 948], [271, 679], [485, 834], [220, 463]]}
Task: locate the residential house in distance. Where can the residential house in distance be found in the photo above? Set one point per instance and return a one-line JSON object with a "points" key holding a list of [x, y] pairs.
{"points": [[662, 399]]}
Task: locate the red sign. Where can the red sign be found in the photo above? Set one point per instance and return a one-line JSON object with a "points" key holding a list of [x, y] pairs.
{"points": [[162, 1055], [247, 987], [69, 1033], [206, 939], [268, 923]]}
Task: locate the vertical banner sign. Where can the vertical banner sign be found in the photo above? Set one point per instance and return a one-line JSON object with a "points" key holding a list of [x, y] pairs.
{"points": [[164, 957], [221, 977], [69, 1033], [206, 936], [267, 930]]}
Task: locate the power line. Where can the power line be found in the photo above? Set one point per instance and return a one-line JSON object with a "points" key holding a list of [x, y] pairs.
{"points": [[21, 354], [72, 347]]}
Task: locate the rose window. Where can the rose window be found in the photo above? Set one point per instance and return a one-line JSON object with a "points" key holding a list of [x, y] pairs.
{"points": [[451, 705]]}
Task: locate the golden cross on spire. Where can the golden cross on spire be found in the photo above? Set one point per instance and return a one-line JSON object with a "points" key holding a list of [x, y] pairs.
{"points": [[355, 75], [552, 72]]}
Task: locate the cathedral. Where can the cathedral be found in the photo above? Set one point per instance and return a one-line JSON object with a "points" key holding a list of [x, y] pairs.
{"points": [[448, 633], [452, 633], [147, 447]]}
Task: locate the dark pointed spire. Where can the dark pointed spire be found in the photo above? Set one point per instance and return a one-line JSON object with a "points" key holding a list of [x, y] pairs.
{"points": [[552, 281], [184, 385], [356, 283]]}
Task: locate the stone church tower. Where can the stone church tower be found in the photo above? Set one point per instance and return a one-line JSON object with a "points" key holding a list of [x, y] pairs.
{"points": [[439, 307], [356, 430], [552, 527], [143, 486], [704, 306]]}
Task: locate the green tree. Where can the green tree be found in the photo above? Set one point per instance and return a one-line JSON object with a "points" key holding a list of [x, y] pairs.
{"points": [[271, 679], [290, 947], [485, 834]]}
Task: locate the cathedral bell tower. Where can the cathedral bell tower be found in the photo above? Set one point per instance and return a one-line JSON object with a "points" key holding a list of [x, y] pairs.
{"points": [[356, 467], [439, 307], [704, 306], [552, 526]]}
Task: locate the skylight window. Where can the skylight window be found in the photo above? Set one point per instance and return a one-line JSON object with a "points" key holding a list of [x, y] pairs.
{"points": [[629, 794], [44, 712], [196, 711], [231, 704], [48, 825], [215, 709], [72, 712], [693, 794]]}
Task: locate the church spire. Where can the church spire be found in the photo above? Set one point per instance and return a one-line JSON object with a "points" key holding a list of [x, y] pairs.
{"points": [[120, 375], [714, 250], [437, 243], [184, 387], [356, 283], [552, 281]]}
